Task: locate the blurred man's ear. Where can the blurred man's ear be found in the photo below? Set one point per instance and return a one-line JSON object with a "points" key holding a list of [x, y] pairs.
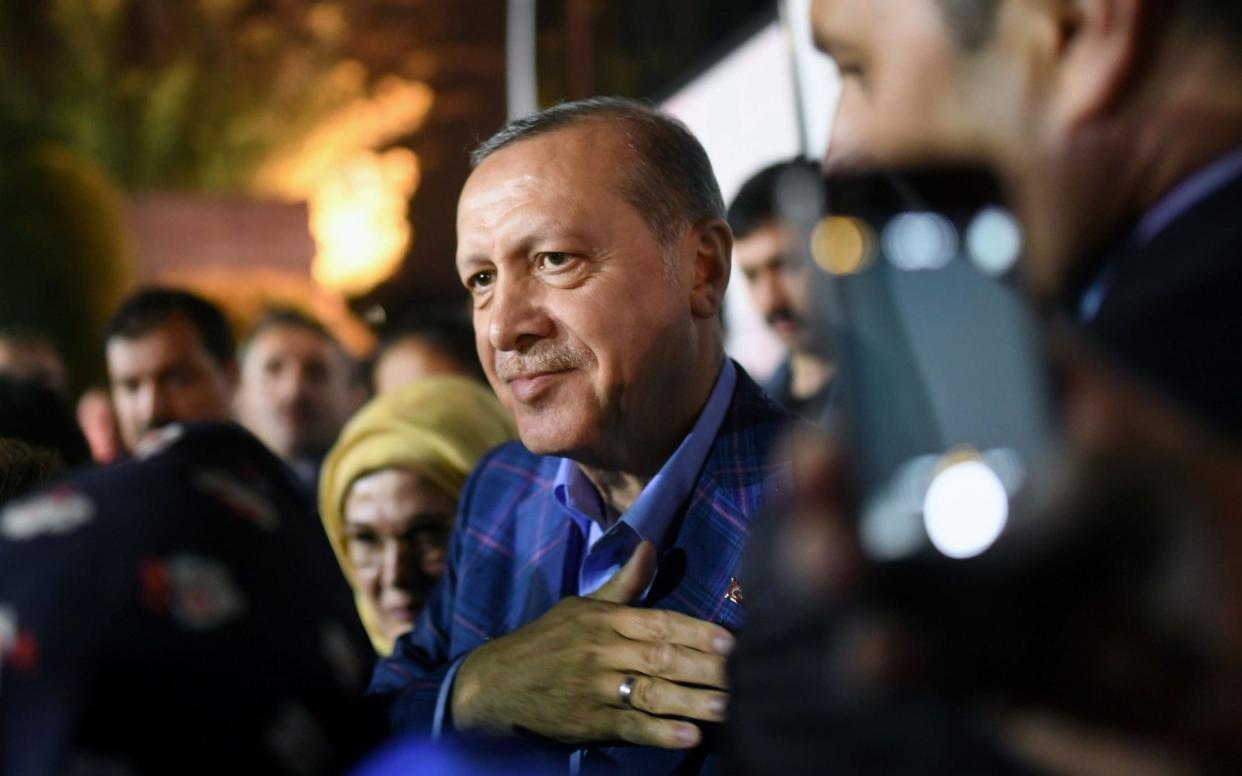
{"points": [[713, 260], [232, 377], [1096, 55]]}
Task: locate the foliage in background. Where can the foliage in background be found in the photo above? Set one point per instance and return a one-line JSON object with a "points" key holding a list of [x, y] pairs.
{"points": [[185, 94], [65, 267], [144, 94]]}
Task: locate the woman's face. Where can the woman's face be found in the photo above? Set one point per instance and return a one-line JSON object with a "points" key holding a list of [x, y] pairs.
{"points": [[396, 530]]}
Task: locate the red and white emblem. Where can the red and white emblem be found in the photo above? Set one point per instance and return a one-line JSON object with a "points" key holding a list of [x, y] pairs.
{"points": [[240, 498], [198, 592], [57, 512]]}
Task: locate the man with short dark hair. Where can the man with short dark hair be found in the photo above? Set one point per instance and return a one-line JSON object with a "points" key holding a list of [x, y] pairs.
{"points": [[591, 238], [298, 387], [780, 284], [423, 344], [170, 359]]}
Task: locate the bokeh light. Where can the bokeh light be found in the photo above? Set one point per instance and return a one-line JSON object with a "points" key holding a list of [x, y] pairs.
{"points": [[966, 509], [994, 241], [842, 245], [916, 241], [357, 192]]}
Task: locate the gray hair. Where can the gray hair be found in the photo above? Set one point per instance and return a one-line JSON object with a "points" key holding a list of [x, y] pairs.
{"points": [[671, 183]]}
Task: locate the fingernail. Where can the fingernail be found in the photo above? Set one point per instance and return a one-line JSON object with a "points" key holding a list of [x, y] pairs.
{"points": [[717, 705], [723, 645], [687, 734]]}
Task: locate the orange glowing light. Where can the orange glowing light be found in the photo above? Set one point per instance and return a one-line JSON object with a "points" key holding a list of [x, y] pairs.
{"points": [[356, 194]]}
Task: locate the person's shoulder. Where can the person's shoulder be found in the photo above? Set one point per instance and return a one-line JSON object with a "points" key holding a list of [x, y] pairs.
{"points": [[748, 447], [753, 408], [507, 469]]}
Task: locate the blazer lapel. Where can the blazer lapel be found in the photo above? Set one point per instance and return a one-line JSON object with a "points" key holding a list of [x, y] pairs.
{"points": [[542, 539], [699, 570]]}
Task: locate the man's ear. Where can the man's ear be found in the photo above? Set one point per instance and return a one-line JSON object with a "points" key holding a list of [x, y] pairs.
{"points": [[232, 381], [1099, 46], [712, 262]]}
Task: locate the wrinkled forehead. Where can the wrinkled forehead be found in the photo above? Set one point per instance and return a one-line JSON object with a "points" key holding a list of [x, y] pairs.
{"points": [[837, 24], [558, 171], [846, 28], [290, 341], [172, 337]]}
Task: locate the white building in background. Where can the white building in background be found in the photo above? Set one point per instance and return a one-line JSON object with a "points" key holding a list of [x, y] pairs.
{"points": [[769, 99]]}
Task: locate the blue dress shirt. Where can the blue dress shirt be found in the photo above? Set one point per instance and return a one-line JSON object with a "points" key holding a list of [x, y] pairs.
{"points": [[648, 518]]}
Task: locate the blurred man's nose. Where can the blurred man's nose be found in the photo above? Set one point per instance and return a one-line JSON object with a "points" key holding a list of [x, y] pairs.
{"points": [[770, 292], [847, 144], [289, 382], [154, 404]]}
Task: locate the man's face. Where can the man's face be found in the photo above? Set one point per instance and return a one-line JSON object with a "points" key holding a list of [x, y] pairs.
{"points": [[166, 376], [779, 285], [910, 92], [583, 334], [913, 93], [296, 391]]}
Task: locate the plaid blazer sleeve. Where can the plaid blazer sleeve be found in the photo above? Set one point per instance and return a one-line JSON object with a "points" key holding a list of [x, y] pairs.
{"points": [[474, 601]]}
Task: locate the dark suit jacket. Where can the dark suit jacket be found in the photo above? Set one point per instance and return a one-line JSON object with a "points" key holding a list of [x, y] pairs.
{"points": [[180, 612], [508, 552], [1173, 311]]}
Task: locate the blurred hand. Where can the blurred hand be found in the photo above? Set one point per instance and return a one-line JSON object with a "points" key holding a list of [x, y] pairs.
{"points": [[1136, 622], [559, 676]]}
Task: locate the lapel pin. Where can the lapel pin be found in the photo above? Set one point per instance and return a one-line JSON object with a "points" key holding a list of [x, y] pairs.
{"points": [[734, 592]]}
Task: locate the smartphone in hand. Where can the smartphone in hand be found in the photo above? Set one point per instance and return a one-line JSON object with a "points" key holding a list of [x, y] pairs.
{"points": [[953, 435]]}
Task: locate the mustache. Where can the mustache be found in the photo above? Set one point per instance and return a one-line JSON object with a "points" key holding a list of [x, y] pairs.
{"points": [[547, 357], [784, 314], [301, 407]]}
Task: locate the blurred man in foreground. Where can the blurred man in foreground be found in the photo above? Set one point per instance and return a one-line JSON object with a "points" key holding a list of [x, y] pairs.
{"points": [[780, 284], [170, 359], [298, 387], [592, 240], [1109, 123], [1122, 149], [198, 622]]}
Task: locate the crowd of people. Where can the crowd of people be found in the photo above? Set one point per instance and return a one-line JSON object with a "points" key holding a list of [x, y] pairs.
{"points": [[571, 534]]}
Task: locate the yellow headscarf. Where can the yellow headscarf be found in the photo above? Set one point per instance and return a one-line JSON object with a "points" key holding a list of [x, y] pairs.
{"points": [[439, 427]]}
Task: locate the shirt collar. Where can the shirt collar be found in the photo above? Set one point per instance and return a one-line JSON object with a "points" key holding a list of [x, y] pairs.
{"points": [[1188, 193], [654, 509], [1171, 206]]}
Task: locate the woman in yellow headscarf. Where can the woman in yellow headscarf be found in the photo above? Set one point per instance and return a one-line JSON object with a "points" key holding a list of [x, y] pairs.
{"points": [[388, 492]]}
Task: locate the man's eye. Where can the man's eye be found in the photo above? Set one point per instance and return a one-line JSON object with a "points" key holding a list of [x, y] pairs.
{"points": [[182, 375], [850, 70], [554, 260], [480, 280]]}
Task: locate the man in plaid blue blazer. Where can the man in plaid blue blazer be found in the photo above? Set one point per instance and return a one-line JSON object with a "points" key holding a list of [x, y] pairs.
{"points": [[591, 584]]}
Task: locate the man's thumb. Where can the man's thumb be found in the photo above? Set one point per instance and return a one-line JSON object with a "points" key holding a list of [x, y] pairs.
{"points": [[632, 579]]}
